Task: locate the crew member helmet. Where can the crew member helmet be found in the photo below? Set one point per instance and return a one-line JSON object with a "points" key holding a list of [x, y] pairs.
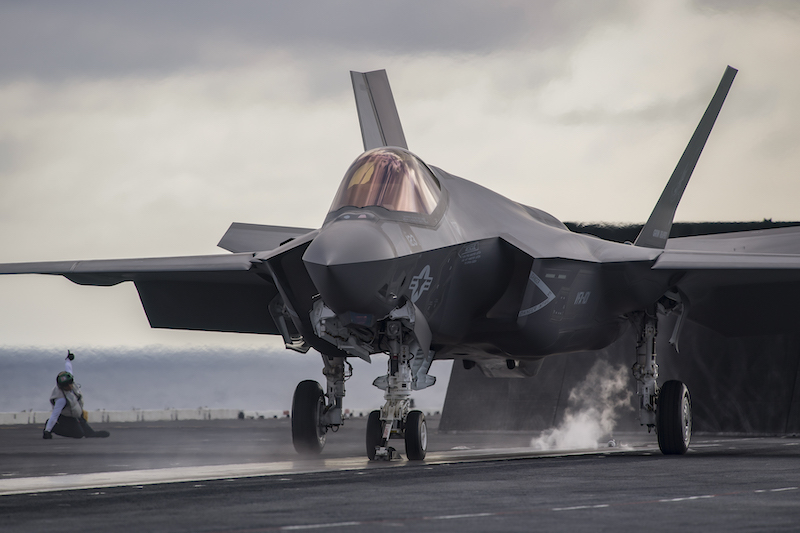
{"points": [[64, 379]]}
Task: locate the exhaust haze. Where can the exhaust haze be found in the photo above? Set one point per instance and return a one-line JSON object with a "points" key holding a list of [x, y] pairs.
{"points": [[595, 405]]}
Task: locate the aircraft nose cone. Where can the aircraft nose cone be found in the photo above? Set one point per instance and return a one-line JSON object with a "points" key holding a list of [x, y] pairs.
{"points": [[350, 264], [349, 241]]}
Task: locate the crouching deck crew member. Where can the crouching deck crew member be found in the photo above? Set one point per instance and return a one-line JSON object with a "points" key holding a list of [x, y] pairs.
{"points": [[68, 418]]}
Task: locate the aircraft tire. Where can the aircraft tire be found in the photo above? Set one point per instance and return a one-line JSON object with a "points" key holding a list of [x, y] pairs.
{"points": [[416, 436], [674, 418], [308, 406], [374, 433]]}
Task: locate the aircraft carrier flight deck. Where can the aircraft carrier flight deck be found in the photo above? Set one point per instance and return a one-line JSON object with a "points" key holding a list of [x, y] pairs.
{"points": [[244, 475]]}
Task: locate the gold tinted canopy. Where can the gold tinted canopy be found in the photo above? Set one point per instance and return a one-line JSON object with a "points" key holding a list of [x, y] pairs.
{"points": [[388, 177]]}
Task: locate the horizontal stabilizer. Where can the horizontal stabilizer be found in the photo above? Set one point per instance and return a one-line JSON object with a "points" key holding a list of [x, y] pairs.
{"points": [[257, 238], [377, 113], [655, 232]]}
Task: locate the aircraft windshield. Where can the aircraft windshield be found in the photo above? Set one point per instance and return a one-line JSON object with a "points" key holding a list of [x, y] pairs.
{"points": [[391, 178]]}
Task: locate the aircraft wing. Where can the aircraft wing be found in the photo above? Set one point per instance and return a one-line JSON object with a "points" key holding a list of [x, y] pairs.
{"points": [[737, 293], [712, 260], [776, 241], [210, 293], [107, 272]]}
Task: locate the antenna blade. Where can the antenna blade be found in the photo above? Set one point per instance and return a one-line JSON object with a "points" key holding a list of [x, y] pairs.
{"points": [[655, 232]]}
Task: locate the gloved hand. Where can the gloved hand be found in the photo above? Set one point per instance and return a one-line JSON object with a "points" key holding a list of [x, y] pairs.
{"points": [[70, 355], [47, 435], [85, 415]]}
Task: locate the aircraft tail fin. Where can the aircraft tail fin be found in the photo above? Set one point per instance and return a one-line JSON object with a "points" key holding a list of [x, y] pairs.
{"points": [[377, 113], [655, 232]]}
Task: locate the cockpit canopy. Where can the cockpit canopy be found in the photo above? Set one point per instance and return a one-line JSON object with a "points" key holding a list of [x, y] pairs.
{"points": [[391, 178]]}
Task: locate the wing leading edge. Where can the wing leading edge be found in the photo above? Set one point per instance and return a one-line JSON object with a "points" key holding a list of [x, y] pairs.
{"points": [[108, 272], [686, 260]]}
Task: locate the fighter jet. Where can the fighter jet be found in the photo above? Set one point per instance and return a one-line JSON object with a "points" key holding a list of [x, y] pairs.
{"points": [[417, 264]]}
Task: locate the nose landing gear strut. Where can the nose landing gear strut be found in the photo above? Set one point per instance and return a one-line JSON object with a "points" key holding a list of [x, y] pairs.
{"points": [[396, 419]]}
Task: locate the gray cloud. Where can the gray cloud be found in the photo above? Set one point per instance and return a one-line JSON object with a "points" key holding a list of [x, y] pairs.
{"points": [[659, 111], [48, 40], [787, 7]]}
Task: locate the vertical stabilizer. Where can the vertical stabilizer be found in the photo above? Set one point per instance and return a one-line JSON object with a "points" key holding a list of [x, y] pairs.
{"points": [[377, 113], [655, 232]]}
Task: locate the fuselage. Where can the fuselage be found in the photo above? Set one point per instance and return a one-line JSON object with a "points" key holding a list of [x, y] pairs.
{"points": [[492, 277]]}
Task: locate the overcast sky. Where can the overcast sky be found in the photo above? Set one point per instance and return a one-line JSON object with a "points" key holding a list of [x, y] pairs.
{"points": [[138, 129]]}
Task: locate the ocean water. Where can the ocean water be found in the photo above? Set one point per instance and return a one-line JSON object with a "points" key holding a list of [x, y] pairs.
{"points": [[158, 377]]}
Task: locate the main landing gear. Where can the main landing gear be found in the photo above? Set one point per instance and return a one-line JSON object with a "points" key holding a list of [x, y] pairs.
{"points": [[315, 412], [308, 411], [668, 409]]}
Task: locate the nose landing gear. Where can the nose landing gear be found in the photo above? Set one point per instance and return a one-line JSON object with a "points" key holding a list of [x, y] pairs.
{"points": [[405, 335], [396, 419], [414, 430], [416, 436]]}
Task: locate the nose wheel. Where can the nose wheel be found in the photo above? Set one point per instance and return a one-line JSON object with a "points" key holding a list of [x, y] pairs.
{"points": [[415, 434]]}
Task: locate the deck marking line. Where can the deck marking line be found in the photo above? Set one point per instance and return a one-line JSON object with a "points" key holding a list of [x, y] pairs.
{"points": [[456, 516], [320, 526], [579, 507], [687, 498]]}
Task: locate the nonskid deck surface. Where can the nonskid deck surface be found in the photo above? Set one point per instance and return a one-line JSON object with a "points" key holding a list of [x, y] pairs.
{"points": [[162, 452], [176, 449], [244, 475]]}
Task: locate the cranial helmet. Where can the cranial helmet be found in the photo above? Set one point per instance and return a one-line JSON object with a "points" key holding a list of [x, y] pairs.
{"points": [[64, 380]]}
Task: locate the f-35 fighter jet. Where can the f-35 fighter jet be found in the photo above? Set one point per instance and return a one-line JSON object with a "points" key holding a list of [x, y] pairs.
{"points": [[418, 264]]}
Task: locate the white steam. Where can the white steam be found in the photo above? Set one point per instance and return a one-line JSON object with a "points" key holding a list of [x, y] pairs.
{"points": [[594, 407]]}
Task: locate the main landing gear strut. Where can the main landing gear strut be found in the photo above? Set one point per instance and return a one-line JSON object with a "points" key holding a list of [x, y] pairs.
{"points": [[314, 412], [668, 409]]}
